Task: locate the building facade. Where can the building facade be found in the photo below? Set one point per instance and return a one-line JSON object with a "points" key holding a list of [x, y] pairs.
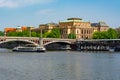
{"points": [[18, 29], [45, 27], [77, 26], [82, 29], [101, 26]]}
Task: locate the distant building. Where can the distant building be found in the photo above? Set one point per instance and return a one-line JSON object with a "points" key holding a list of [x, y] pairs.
{"points": [[9, 30], [101, 26], [82, 29], [24, 28], [18, 29], [46, 27], [77, 26]]}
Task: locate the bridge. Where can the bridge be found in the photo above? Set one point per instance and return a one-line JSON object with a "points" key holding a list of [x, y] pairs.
{"points": [[36, 40], [57, 43], [98, 44]]}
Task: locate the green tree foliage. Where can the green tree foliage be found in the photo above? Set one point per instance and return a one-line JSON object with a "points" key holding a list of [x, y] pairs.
{"points": [[110, 34], [71, 36], [118, 32], [104, 35], [96, 35], [1, 33], [46, 34], [55, 33], [11, 34], [25, 33], [33, 34], [19, 34]]}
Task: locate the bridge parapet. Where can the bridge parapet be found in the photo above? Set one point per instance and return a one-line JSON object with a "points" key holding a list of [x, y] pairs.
{"points": [[36, 39], [52, 40]]}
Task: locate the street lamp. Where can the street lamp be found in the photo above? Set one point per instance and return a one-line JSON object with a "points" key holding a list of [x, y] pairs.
{"points": [[40, 38], [29, 31], [5, 34]]}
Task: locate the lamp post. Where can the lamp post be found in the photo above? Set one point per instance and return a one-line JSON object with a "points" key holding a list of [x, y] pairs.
{"points": [[29, 31], [5, 34], [40, 38]]}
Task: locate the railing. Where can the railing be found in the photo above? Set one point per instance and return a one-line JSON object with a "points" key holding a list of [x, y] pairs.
{"points": [[45, 40]]}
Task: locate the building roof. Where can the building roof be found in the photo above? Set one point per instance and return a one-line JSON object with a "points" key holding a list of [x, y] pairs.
{"points": [[94, 24], [101, 24], [74, 19], [52, 24], [9, 29], [49, 24]]}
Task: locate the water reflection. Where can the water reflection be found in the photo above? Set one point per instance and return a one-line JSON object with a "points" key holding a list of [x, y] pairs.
{"points": [[59, 66]]}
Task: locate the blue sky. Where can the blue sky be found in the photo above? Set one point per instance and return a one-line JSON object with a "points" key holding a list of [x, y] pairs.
{"points": [[15, 13]]}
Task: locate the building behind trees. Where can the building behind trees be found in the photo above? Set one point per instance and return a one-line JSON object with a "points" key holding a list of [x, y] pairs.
{"points": [[72, 26], [82, 29]]}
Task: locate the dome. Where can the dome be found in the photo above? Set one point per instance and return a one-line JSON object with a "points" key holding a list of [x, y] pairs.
{"points": [[19, 27], [74, 19]]}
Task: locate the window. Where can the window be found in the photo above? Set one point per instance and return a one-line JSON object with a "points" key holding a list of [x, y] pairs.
{"points": [[77, 31], [81, 31]]}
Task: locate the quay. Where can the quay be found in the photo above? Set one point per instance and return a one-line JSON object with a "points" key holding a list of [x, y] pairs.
{"points": [[97, 44]]}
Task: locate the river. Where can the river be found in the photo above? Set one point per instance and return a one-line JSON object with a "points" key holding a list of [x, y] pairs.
{"points": [[59, 65]]}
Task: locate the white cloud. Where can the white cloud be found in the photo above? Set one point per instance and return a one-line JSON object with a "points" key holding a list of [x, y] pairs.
{"points": [[19, 3], [46, 12]]}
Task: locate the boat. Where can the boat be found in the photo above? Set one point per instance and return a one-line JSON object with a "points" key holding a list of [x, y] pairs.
{"points": [[29, 48], [111, 50], [117, 48], [67, 47]]}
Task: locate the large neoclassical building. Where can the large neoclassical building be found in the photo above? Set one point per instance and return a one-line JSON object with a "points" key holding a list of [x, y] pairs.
{"points": [[82, 29]]}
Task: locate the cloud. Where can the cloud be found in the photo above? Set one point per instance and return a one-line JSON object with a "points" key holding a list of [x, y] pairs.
{"points": [[20, 3], [45, 12]]}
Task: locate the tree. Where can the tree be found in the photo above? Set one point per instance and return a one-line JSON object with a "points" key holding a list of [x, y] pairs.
{"points": [[118, 32], [55, 33], [1, 33], [11, 34], [46, 34], [104, 35], [25, 33], [19, 34], [112, 34], [33, 34], [96, 35], [71, 36]]}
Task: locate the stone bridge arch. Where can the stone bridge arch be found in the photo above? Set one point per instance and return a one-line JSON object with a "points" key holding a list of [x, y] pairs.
{"points": [[67, 42], [28, 41], [58, 45], [36, 40], [14, 42]]}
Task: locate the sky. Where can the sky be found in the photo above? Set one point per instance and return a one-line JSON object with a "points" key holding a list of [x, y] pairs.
{"points": [[15, 13]]}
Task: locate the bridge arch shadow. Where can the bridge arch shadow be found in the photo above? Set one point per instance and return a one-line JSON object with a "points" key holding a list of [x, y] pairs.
{"points": [[13, 43], [57, 45]]}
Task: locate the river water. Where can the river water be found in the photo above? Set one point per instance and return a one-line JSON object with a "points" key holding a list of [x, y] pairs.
{"points": [[59, 65]]}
